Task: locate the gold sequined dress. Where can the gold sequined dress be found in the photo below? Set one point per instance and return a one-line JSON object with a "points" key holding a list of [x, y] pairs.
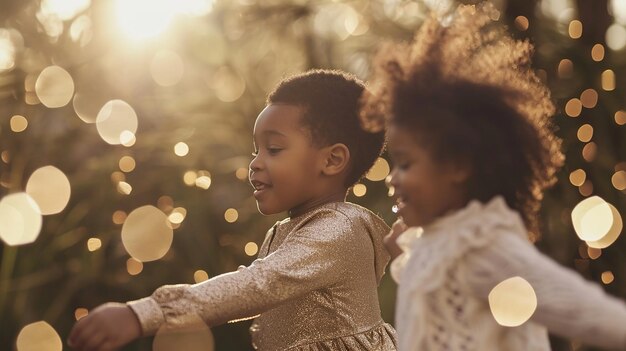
{"points": [[314, 285]]}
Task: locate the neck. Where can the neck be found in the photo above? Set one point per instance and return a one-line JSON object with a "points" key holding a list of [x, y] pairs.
{"points": [[339, 196]]}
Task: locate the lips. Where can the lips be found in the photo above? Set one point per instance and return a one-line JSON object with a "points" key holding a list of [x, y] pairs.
{"points": [[259, 187], [400, 203]]}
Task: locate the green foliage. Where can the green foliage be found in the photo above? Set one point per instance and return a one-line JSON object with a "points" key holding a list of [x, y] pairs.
{"points": [[232, 57]]}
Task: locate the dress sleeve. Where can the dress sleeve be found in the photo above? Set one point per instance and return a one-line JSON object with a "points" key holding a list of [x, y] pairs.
{"points": [[567, 304], [309, 258]]}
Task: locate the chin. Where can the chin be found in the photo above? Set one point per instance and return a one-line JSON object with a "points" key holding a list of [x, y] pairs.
{"points": [[267, 210]]}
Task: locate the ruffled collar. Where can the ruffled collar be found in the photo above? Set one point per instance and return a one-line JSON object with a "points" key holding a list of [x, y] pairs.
{"points": [[435, 247]]}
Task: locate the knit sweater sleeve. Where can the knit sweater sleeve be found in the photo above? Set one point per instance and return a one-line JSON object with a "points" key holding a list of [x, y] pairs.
{"points": [[567, 304]]}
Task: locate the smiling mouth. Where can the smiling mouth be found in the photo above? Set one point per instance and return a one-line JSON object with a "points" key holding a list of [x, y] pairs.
{"points": [[259, 186], [400, 204]]}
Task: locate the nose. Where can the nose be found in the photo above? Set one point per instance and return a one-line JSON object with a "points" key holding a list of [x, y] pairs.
{"points": [[255, 165], [392, 178]]}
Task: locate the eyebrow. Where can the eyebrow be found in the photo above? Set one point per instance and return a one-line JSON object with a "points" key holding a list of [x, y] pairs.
{"points": [[273, 132]]}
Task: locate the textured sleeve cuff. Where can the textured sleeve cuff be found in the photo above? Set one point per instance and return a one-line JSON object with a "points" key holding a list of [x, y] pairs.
{"points": [[149, 314]]}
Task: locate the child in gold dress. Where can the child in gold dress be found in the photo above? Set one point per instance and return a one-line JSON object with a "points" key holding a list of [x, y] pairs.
{"points": [[314, 284]]}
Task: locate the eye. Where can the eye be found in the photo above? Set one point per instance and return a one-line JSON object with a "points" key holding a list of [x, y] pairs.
{"points": [[274, 150]]}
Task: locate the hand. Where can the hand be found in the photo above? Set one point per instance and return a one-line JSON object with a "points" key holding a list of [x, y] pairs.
{"points": [[397, 228], [107, 327]]}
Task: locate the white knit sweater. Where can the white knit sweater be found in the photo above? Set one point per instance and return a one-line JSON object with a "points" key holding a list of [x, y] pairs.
{"points": [[449, 268]]}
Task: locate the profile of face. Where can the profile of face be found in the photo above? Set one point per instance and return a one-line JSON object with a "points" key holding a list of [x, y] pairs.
{"points": [[424, 188], [286, 163]]}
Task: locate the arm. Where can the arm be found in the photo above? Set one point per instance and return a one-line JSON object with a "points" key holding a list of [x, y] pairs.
{"points": [[308, 259], [567, 304]]}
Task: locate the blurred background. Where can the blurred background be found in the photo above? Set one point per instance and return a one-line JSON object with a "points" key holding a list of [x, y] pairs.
{"points": [[128, 124]]}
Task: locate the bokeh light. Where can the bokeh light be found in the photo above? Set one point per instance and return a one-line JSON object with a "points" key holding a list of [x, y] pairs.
{"points": [[577, 177], [589, 98], [586, 189], [80, 313], [18, 123], [607, 277], [594, 253], [574, 107], [619, 180], [54, 87], [189, 178], [124, 188], [142, 19], [133, 266], [7, 50], [127, 138], [167, 68], [590, 151], [227, 84], [178, 215], [521, 23], [597, 52], [608, 80], [127, 164], [86, 107], [251, 249], [231, 215], [203, 180], [616, 37], [64, 9], [199, 276], [50, 188], [195, 337], [585, 133], [575, 29], [119, 217], [512, 302], [115, 118], [94, 244], [379, 171], [146, 234], [38, 336], [20, 219], [565, 68], [597, 222], [241, 173], [359, 190], [181, 149], [620, 117]]}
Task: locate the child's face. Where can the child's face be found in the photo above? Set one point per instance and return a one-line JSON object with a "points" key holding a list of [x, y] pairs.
{"points": [[286, 163], [425, 189]]}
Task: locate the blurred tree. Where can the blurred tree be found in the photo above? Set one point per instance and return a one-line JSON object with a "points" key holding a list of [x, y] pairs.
{"points": [[199, 75]]}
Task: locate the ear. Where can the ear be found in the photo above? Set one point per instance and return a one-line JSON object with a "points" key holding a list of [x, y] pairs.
{"points": [[336, 159], [460, 172]]}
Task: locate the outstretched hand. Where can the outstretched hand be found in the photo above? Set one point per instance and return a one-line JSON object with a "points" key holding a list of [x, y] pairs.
{"points": [[107, 327], [397, 228]]}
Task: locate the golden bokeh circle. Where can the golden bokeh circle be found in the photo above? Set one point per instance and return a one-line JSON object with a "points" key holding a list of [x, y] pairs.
{"points": [[359, 190], [54, 87], [39, 336], [50, 188], [195, 337], [379, 171], [146, 234], [115, 119], [512, 302], [20, 219]]}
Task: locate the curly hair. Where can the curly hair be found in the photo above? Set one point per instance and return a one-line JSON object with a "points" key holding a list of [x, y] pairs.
{"points": [[465, 89], [330, 99]]}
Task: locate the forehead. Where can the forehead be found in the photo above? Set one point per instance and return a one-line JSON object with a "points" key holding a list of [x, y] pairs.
{"points": [[280, 119], [399, 138]]}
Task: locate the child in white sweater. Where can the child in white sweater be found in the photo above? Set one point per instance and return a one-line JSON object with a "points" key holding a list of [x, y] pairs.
{"points": [[473, 151]]}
